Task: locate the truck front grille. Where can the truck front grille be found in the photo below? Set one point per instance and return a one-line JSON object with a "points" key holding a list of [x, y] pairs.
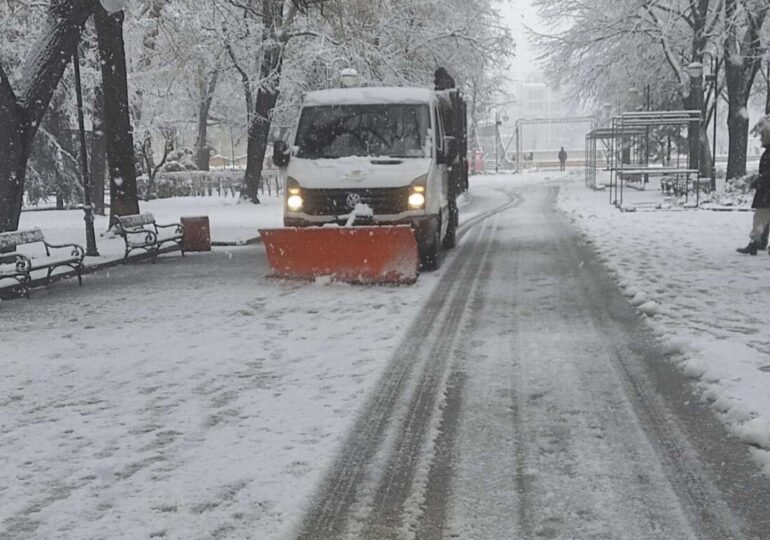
{"points": [[326, 202]]}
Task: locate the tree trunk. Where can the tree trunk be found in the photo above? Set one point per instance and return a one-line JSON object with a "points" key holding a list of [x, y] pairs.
{"points": [[98, 153], [118, 133], [270, 76], [738, 138], [21, 113], [14, 163], [766, 77], [743, 54], [704, 153], [767, 97], [202, 148], [259, 132], [57, 123], [694, 132]]}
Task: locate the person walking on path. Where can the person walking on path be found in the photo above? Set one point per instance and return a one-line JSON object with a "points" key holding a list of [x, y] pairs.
{"points": [[562, 159], [761, 202]]}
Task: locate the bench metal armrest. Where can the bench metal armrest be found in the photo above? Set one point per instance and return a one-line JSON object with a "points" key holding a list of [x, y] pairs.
{"points": [[8, 258], [22, 262], [168, 225], [151, 237], [179, 227], [77, 250]]}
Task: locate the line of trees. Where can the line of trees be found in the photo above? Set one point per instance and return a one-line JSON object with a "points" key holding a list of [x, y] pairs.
{"points": [[24, 103], [170, 70], [605, 47]]}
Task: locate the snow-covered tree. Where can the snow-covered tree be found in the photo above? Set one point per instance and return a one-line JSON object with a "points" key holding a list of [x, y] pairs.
{"points": [[401, 43], [24, 103], [605, 47], [744, 50]]}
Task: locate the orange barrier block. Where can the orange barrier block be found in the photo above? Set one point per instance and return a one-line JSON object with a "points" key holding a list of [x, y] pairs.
{"points": [[366, 255]]}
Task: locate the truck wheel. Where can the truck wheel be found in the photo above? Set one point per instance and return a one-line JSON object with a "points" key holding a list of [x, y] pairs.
{"points": [[450, 239], [430, 250]]}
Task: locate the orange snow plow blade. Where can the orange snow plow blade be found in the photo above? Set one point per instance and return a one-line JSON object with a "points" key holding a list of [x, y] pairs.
{"points": [[352, 254]]}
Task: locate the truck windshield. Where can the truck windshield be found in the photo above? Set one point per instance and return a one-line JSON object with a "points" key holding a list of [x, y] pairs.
{"points": [[393, 130]]}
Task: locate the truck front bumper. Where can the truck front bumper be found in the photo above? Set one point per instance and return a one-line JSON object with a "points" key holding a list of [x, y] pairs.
{"points": [[424, 226]]}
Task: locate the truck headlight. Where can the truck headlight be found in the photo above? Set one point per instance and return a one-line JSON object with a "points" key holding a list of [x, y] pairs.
{"points": [[294, 202], [416, 200], [417, 192]]}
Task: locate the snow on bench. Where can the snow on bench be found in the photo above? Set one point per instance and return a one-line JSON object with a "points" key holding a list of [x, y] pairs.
{"points": [[140, 231], [19, 266]]}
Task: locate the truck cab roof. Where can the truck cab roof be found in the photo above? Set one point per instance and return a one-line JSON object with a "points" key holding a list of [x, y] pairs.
{"points": [[369, 95]]}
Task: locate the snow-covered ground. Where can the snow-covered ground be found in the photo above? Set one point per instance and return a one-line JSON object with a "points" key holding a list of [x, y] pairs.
{"points": [[194, 398], [197, 399], [229, 220], [707, 302]]}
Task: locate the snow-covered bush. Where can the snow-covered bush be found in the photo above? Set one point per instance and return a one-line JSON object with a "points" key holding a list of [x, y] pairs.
{"points": [[736, 192], [182, 159]]}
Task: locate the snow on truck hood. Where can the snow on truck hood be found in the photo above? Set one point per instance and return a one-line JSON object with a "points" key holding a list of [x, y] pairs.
{"points": [[357, 172], [368, 96]]}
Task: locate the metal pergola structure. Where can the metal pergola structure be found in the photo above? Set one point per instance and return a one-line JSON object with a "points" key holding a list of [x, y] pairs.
{"points": [[628, 163], [603, 136], [521, 122]]}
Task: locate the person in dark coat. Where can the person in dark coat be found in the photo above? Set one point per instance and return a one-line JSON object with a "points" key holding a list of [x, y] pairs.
{"points": [[442, 80], [761, 202], [562, 159]]}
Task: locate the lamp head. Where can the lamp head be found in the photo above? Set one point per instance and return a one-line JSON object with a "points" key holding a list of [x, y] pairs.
{"points": [[113, 6], [695, 69], [349, 78]]}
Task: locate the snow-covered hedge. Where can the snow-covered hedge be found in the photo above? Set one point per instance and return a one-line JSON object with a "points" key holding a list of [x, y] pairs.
{"points": [[203, 183]]}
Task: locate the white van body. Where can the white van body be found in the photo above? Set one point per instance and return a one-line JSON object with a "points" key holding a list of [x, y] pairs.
{"points": [[376, 147]]}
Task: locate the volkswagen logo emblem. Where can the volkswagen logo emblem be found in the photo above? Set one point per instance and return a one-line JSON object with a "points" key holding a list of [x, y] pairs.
{"points": [[352, 200]]}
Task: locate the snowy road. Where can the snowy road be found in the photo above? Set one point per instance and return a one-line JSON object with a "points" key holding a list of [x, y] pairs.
{"points": [[514, 393], [530, 401]]}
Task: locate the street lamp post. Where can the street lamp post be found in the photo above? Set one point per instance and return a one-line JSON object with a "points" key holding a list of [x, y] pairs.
{"points": [[91, 250], [498, 143], [112, 6], [713, 78], [695, 70], [498, 123]]}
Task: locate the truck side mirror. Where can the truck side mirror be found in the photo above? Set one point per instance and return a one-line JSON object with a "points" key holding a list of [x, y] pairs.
{"points": [[281, 153]]}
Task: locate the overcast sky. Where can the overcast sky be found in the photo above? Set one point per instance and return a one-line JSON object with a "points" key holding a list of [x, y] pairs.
{"points": [[519, 14]]}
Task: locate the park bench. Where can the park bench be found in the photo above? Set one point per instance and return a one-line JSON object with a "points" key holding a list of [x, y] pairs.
{"points": [[18, 265], [671, 185], [140, 231]]}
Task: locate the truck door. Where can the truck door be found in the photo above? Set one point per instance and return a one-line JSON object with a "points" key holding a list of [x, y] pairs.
{"points": [[442, 176]]}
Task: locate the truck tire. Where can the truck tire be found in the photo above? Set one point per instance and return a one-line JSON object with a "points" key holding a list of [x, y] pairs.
{"points": [[430, 251]]}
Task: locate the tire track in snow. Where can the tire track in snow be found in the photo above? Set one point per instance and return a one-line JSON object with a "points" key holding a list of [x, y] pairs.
{"points": [[413, 449], [701, 467], [345, 486], [437, 492], [711, 472]]}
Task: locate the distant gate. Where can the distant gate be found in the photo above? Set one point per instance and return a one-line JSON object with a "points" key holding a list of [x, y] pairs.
{"points": [[521, 123]]}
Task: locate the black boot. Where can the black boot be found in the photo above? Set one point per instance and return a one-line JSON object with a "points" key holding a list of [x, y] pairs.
{"points": [[751, 249], [763, 240]]}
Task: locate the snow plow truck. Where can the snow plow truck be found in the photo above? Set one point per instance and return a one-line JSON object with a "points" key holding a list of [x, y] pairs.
{"points": [[371, 183]]}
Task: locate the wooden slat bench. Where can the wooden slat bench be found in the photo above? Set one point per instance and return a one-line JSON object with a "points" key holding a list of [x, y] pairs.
{"points": [[140, 231], [19, 266]]}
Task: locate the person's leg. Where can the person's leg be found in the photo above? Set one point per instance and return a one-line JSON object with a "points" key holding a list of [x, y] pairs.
{"points": [[761, 220]]}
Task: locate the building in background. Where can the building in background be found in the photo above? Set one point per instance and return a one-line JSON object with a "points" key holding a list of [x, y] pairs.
{"points": [[532, 99]]}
